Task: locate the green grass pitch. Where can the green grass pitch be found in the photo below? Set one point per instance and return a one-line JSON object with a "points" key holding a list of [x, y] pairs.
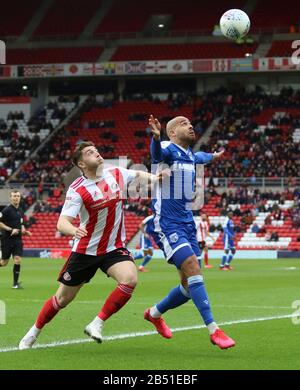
{"points": [[254, 301]]}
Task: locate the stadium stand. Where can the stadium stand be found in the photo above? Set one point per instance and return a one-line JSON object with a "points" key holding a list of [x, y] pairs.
{"points": [[119, 17], [186, 51], [280, 18], [280, 49], [117, 128], [255, 138], [272, 128], [66, 18], [13, 23], [53, 55], [248, 119], [270, 212], [20, 136], [260, 131]]}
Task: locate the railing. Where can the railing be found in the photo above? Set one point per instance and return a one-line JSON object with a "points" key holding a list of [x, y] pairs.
{"points": [[227, 182], [281, 182]]}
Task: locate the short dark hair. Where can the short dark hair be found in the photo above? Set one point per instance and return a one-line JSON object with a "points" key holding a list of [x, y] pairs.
{"points": [[14, 192], [77, 155]]}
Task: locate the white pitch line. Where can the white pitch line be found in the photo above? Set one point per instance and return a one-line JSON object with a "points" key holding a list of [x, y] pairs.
{"points": [[254, 306], [146, 302], [149, 333]]}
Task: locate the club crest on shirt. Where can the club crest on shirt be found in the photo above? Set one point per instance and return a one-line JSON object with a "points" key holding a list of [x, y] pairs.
{"points": [[67, 276], [173, 237]]}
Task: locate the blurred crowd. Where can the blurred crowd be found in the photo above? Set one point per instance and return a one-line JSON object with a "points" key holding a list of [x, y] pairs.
{"points": [[251, 151], [19, 139]]}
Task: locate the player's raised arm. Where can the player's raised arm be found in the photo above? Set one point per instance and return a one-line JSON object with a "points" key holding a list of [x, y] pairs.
{"points": [[218, 154], [155, 127], [158, 154]]}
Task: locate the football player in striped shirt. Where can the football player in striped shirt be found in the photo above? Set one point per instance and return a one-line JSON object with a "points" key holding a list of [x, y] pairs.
{"points": [[99, 242], [202, 227]]}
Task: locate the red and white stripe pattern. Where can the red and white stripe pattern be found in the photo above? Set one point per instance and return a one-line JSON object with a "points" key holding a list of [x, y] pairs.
{"points": [[100, 206], [55, 304], [125, 288], [202, 230]]}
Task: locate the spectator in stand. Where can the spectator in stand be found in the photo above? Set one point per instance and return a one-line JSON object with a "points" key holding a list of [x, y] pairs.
{"points": [[268, 220], [268, 236], [274, 237], [277, 213], [255, 228]]}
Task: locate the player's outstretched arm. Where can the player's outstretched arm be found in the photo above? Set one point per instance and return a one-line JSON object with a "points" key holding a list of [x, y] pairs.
{"points": [[155, 127], [218, 154], [158, 154], [65, 226], [204, 158]]}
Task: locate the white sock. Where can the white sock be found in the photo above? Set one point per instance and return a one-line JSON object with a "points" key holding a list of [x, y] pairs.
{"points": [[154, 312], [34, 331], [212, 327], [98, 322]]}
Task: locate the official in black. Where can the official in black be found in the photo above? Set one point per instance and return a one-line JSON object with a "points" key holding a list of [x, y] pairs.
{"points": [[11, 224]]}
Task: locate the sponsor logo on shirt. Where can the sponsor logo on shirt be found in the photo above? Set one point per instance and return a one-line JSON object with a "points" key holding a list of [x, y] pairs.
{"points": [[180, 166]]}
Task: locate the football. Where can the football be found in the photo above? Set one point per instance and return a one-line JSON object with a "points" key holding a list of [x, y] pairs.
{"points": [[234, 24]]}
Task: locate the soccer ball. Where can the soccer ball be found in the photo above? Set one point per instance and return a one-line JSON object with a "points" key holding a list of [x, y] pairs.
{"points": [[234, 24]]}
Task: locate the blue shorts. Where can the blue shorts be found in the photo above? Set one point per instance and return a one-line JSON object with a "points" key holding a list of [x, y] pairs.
{"points": [[228, 243], [178, 241], [145, 243]]}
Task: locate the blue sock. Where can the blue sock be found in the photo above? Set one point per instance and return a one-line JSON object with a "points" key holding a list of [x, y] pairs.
{"points": [[176, 297], [138, 255], [230, 257], [224, 258], [146, 260], [200, 298]]}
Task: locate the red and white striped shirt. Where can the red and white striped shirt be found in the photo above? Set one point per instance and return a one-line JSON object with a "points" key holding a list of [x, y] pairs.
{"points": [[202, 230], [99, 204]]}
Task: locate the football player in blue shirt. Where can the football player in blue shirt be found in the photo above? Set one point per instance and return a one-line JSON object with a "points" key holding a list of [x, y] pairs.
{"points": [[228, 241], [174, 228], [146, 247]]}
